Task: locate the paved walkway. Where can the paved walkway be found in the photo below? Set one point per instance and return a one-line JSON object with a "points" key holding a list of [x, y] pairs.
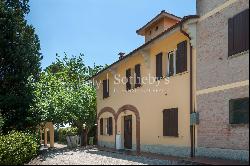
{"points": [[93, 156], [61, 155]]}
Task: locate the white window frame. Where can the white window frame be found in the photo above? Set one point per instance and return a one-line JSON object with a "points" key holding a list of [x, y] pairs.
{"points": [[132, 80], [171, 53], [105, 131]]}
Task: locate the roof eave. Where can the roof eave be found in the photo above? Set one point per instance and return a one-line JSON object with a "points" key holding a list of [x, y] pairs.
{"points": [[141, 31], [179, 24]]}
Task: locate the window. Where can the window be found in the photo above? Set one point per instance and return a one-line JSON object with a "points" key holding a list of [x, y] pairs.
{"points": [[239, 111], [181, 57], [106, 126], [110, 126], [170, 122], [137, 75], [133, 76], [105, 89], [128, 76], [171, 64], [101, 126], [159, 66], [177, 60], [156, 28], [238, 33]]}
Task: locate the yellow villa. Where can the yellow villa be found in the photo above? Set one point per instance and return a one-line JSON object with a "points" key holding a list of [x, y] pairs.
{"points": [[145, 100]]}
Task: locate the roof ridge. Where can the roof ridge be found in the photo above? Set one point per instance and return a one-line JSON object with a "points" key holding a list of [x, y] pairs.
{"points": [[162, 12], [150, 41]]}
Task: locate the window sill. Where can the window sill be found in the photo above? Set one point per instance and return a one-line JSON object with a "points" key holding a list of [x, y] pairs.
{"points": [[238, 125], [133, 89], [171, 136], [105, 98], [106, 135], [239, 54], [179, 74]]}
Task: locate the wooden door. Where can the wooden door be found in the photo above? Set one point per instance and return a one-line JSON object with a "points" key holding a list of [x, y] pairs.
{"points": [[128, 132]]}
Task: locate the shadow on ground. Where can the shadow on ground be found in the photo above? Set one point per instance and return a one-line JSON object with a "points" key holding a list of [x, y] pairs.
{"points": [[53, 152]]}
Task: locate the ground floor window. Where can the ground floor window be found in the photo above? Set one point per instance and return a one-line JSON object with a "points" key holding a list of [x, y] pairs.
{"points": [[239, 111], [106, 126], [170, 122]]}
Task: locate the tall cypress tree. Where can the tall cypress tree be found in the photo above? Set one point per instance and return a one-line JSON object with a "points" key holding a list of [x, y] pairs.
{"points": [[19, 59]]}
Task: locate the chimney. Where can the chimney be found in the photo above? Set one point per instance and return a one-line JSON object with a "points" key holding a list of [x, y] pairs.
{"points": [[121, 55]]}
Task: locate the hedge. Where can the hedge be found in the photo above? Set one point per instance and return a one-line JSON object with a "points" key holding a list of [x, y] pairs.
{"points": [[18, 148], [1, 123], [63, 132]]}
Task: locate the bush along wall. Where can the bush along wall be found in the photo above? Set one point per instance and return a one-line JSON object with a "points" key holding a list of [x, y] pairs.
{"points": [[63, 132], [1, 123], [18, 148]]}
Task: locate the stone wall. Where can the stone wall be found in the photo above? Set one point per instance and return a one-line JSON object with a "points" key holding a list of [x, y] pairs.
{"points": [[216, 137], [214, 130], [106, 144], [167, 150], [205, 6], [214, 68]]}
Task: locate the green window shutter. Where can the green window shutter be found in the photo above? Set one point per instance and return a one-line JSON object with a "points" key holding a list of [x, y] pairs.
{"points": [[238, 33], [230, 37], [105, 89], [128, 76], [138, 75], [239, 111], [101, 126], [159, 74], [110, 126], [170, 122], [181, 57]]}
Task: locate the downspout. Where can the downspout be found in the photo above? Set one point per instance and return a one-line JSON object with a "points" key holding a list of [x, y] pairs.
{"points": [[192, 127]]}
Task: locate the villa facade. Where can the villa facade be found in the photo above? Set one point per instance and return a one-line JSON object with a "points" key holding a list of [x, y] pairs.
{"points": [[223, 78], [151, 108], [178, 94]]}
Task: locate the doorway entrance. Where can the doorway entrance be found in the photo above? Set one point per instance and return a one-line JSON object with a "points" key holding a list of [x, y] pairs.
{"points": [[128, 132]]}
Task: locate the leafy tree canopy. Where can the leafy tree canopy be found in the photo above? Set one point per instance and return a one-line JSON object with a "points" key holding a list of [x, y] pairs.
{"points": [[1, 123], [62, 95], [19, 59]]}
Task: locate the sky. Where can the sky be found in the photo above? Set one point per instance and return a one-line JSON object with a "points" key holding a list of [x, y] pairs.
{"points": [[99, 29]]}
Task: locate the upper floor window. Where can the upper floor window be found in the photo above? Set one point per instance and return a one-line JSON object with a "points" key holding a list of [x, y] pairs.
{"points": [[239, 111], [177, 60], [171, 63], [238, 33], [181, 57], [156, 28], [137, 75], [105, 88], [133, 76], [159, 74]]}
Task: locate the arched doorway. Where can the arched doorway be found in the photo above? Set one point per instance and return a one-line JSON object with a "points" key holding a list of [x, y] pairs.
{"points": [[127, 120]]}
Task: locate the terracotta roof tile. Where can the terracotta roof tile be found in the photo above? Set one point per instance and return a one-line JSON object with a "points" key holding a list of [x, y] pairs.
{"points": [[149, 42]]}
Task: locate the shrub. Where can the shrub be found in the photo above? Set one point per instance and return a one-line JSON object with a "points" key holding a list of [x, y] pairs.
{"points": [[17, 148], [63, 132], [1, 123]]}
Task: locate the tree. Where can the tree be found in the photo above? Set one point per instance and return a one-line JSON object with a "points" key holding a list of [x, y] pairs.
{"points": [[19, 59], [1, 123], [64, 96]]}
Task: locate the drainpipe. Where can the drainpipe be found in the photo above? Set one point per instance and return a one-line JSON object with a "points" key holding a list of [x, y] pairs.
{"points": [[192, 127]]}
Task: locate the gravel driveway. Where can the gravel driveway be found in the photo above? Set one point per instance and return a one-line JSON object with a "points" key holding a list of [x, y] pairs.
{"points": [[93, 156]]}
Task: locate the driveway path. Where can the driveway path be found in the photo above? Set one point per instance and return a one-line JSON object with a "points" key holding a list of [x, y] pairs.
{"points": [[93, 156]]}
